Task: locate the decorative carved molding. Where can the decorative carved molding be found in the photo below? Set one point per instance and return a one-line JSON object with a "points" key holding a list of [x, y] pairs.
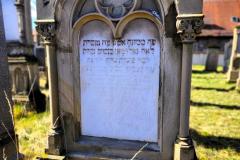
{"points": [[116, 9], [119, 28], [45, 2], [47, 29], [188, 26]]}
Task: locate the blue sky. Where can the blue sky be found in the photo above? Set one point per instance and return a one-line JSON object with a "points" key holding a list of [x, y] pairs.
{"points": [[33, 12]]}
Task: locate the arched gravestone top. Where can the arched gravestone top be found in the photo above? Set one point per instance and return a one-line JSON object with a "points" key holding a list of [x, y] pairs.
{"points": [[122, 60]]}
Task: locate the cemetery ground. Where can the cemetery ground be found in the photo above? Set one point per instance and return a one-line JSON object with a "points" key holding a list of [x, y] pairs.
{"points": [[215, 120]]}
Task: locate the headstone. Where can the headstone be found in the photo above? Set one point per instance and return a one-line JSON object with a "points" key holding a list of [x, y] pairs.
{"points": [[227, 55], [8, 144], [234, 65], [212, 59], [115, 77]]}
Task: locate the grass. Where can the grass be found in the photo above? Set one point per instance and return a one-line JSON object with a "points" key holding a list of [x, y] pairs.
{"points": [[215, 116], [215, 120], [32, 129]]}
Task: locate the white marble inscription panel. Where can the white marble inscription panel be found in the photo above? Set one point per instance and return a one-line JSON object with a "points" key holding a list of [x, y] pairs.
{"points": [[120, 81]]}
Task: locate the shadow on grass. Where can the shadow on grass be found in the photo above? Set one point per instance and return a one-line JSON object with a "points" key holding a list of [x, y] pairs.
{"points": [[215, 89], [216, 142], [221, 106], [204, 72]]}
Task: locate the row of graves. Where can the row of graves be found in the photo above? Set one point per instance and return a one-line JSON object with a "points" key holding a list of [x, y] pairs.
{"points": [[119, 77]]}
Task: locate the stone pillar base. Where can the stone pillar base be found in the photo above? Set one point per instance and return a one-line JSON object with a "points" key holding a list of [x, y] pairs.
{"points": [[238, 84], [233, 76], [184, 149], [55, 144]]}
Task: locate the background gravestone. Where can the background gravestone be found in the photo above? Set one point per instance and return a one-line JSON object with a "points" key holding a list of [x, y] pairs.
{"points": [[7, 135], [227, 55], [212, 59], [234, 65], [23, 65]]}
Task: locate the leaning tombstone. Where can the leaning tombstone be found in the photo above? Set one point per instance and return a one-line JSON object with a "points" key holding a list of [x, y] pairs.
{"points": [[234, 65], [119, 77], [8, 142]]}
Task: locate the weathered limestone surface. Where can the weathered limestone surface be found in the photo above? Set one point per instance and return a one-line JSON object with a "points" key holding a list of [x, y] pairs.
{"points": [[71, 17], [128, 74]]}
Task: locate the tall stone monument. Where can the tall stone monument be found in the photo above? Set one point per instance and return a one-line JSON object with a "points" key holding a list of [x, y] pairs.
{"points": [[8, 143], [23, 64], [119, 77], [234, 65]]}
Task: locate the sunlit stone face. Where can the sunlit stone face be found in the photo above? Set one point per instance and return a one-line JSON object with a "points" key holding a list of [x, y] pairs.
{"points": [[120, 81], [115, 8]]}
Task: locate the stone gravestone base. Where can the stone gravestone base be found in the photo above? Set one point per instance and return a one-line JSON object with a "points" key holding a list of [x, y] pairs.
{"points": [[233, 73], [184, 149], [238, 82], [232, 76], [212, 60]]}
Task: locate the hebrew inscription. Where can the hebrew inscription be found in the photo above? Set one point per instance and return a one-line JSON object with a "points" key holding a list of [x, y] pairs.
{"points": [[120, 83]]}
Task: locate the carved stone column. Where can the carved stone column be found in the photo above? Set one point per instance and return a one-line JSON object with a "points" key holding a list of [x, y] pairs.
{"points": [[21, 20], [47, 28], [188, 26]]}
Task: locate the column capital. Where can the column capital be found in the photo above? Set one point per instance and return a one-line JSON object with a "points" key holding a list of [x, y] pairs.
{"points": [[188, 26], [47, 30]]}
